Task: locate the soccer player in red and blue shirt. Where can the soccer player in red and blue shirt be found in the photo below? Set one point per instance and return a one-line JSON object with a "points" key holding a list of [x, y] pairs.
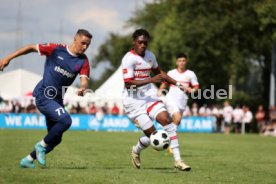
{"points": [[63, 64]]}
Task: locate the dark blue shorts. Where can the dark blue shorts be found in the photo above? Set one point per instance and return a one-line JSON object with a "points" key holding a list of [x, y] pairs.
{"points": [[53, 109]]}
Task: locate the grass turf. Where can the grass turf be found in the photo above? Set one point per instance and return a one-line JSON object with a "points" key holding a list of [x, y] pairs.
{"points": [[104, 157]]}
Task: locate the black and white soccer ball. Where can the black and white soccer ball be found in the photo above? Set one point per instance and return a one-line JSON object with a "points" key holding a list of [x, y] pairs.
{"points": [[160, 140]]}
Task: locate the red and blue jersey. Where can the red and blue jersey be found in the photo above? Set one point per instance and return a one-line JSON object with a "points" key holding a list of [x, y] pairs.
{"points": [[60, 70]]}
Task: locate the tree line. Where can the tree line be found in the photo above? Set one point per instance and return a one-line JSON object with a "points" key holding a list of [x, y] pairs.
{"points": [[227, 42]]}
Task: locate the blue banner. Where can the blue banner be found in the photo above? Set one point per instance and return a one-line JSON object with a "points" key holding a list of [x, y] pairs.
{"points": [[105, 123]]}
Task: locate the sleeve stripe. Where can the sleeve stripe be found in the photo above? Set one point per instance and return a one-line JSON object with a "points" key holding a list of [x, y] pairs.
{"points": [[37, 47], [128, 79], [85, 76]]}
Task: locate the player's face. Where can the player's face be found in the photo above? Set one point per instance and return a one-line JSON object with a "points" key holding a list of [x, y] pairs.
{"points": [[181, 63], [140, 45], [81, 44]]}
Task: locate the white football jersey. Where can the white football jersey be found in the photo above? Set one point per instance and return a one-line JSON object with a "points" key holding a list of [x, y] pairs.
{"points": [[136, 67], [187, 79], [143, 99]]}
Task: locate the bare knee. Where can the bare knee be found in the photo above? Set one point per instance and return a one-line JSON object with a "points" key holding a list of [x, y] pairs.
{"points": [[163, 118]]}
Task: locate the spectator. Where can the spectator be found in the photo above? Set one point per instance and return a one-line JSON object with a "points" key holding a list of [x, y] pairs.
{"points": [[187, 112], [272, 115], [215, 111], [194, 109], [260, 118], [1, 99], [16, 107], [78, 108], [5, 106], [105, 108], [92, 108], [237, 118], [247, 118], [115, 110], [204, 111], [227, 117], [31, 108], [271, 128]]}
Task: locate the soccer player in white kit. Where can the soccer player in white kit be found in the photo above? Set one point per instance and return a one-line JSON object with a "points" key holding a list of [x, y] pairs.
{"points": [[141, 102], [176, 100]]}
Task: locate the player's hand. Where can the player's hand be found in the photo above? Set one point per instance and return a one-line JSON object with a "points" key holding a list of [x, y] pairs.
{"points": [[157, 79], [182, 87], [81, 92], [4, 63]]}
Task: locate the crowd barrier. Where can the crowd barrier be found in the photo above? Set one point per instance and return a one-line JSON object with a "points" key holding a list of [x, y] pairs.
{"points": [[104, 123]]}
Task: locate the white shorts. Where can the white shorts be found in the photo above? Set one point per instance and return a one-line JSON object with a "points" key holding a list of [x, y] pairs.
{"points": [[175, 106], [143, 111]]}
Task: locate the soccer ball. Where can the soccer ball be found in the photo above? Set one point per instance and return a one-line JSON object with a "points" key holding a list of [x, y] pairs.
{"points": [[160, 140]]}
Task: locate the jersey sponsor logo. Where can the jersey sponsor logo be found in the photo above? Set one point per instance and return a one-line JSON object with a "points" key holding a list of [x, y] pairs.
{"points": [[77, 67], [64, 72], [142, 73]]}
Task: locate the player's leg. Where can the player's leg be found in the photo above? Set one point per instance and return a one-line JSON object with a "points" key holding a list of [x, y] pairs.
{"points": [[53, 144], [146, 125], [27, 162], [52, 139], [56, 113], [176, 118], [159, 113]]}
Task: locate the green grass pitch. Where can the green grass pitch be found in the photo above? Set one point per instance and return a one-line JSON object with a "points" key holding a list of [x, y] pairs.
{"points": [[104, 157]]}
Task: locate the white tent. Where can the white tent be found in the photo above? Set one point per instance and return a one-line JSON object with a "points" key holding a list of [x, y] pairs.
{"points": [[17, 83], [71, 96], [111, 90]]}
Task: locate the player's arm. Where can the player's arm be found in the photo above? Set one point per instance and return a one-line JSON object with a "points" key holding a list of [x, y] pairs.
{"points": [[194, 84], [168, 79], [129, 76], [155, 79], [192, 89], [84, 81], [22, 51], [84, 77]]}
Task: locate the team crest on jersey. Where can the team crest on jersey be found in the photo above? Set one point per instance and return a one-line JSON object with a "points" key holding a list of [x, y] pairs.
{"points": [[77, 67]]}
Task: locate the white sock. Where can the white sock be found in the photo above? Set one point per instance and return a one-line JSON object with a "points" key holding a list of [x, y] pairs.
{"points": [[171, 130], [143, 143], [30, 158], [42, 143]]}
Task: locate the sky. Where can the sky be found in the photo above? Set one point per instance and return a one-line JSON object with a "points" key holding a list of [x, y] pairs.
{"points": [[56, 21]]}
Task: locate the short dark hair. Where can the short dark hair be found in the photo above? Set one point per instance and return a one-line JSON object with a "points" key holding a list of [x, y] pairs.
{"points": [[140, 32], [181, 55], [84, 33]]}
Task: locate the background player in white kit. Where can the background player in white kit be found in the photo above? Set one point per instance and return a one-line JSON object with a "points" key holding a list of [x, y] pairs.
{"points": [[141, 102], [176, 100]]}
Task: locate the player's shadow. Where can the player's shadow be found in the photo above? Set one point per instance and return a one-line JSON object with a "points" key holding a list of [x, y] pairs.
{"points": [[162, 169], [114, 168], [167, 170], [73, 167]]}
